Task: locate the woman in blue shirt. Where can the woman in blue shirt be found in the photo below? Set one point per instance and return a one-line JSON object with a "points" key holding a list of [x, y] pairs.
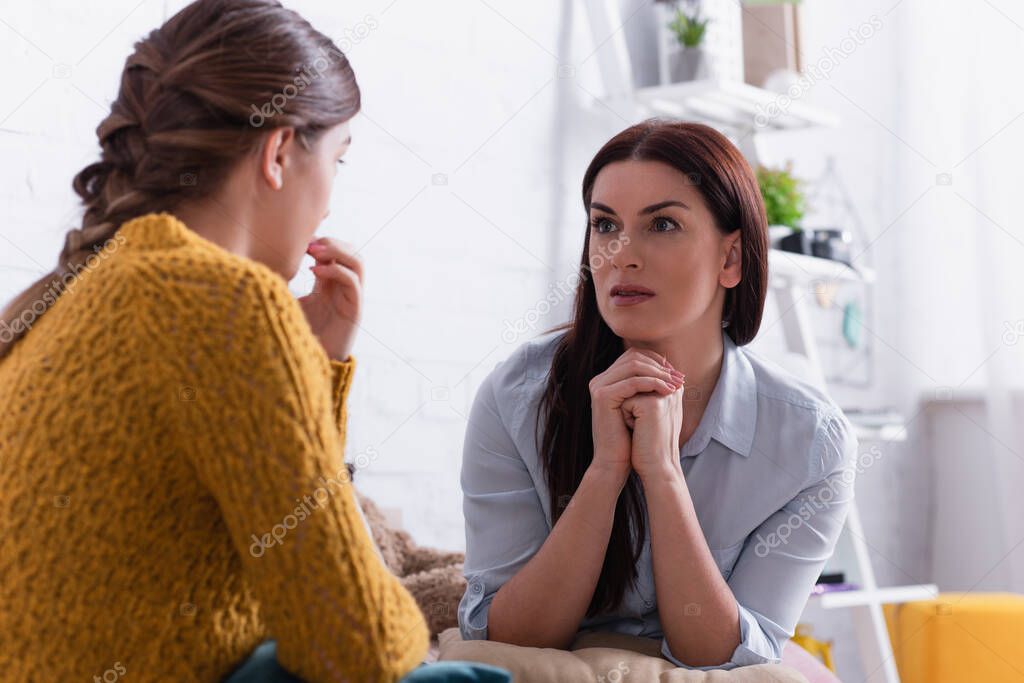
{"points": [[599, 492]]}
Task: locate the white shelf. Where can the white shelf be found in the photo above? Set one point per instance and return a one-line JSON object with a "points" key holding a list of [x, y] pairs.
{"points": [[887, 433], [878, 596], [878, 425], [732, 104], [803, 269]]}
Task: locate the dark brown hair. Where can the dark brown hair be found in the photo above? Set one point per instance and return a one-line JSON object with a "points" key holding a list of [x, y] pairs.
{"points": [[196, 96], [589, 346]]}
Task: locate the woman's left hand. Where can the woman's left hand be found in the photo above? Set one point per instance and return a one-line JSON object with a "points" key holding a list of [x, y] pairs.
{"points": [[333, 307], [656, 422]]}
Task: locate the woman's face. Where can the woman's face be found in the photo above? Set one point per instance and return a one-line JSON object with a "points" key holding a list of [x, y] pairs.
{"points": [[651, 231], [295, 194]]}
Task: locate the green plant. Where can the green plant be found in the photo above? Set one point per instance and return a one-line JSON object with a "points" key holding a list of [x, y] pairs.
{"points": [[783, 194], [689, 30]]}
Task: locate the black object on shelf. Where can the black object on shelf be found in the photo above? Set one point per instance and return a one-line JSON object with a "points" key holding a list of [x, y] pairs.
{"points": [[830, 243], [836, 577]]}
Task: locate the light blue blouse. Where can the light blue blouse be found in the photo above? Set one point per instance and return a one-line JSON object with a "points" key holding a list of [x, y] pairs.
{"points": [[770, 469]]}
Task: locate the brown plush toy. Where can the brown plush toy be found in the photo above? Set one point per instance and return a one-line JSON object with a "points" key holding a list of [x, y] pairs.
{"points": [[434, 577]]}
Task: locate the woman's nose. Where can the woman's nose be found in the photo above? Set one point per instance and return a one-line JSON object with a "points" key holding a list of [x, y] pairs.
{"points": [[626, 256]]}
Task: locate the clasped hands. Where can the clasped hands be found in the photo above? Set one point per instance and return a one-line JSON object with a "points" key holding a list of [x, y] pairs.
{"points": [[637, 407]]}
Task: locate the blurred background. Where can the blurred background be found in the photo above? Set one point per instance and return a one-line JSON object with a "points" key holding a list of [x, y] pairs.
{"points": [[887, 136]]}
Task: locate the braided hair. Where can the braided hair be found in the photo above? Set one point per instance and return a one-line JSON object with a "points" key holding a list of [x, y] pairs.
{"points": [[195, 97]]}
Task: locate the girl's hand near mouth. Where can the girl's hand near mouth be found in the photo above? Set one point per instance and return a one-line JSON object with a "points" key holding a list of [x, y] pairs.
{"points": [[333, 307]]}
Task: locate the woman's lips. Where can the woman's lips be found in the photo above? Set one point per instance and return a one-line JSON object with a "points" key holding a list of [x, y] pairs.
{"points": [[630, 294], [630, 299]]}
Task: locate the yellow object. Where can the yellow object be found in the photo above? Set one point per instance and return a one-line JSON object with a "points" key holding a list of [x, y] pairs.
{"points": [[172, 485], [959, 637], [818, 648]]}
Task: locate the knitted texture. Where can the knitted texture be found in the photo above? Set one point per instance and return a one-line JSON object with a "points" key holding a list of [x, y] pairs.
{"points": [[172, 485]]}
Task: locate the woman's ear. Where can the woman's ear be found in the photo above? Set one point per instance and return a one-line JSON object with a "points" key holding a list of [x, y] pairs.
{"points": [[274, 157], [732, 269]]}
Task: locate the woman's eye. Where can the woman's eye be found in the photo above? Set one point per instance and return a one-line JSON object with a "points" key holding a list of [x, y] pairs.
{"points": [[602, 225], [664, 224]]}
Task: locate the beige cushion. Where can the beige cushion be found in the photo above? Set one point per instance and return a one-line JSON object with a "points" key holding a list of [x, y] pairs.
{"points": [[603, 657]]}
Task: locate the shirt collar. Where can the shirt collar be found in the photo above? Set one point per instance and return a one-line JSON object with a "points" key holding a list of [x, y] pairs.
{"points": [[731, 414]]}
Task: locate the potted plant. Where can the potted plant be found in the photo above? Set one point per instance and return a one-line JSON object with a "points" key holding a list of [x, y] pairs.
{"points": [[784, 204], [690, 61], [783, 195]]}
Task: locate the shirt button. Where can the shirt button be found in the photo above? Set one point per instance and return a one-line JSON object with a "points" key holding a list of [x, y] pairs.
{"points": [[477, 588], [648, 603]]}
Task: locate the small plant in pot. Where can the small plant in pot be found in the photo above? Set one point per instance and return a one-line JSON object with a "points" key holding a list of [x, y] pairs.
{"points": [[784, 204], [690, 62]]}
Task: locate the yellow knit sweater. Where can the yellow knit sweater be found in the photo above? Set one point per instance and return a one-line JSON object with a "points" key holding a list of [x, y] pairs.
{"points": [[172, 486]]}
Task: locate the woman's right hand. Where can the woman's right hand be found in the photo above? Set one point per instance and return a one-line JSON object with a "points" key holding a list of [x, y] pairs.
{"points": [[333, 307], [636, 371]]}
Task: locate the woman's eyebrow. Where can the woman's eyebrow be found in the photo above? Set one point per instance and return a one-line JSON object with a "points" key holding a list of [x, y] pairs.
{"points": [[661, 205], [649, 209]]}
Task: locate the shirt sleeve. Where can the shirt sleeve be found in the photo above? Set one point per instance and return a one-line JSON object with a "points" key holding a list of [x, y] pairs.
{"points": [[266, 434], [505, 521], [781, 561]]}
